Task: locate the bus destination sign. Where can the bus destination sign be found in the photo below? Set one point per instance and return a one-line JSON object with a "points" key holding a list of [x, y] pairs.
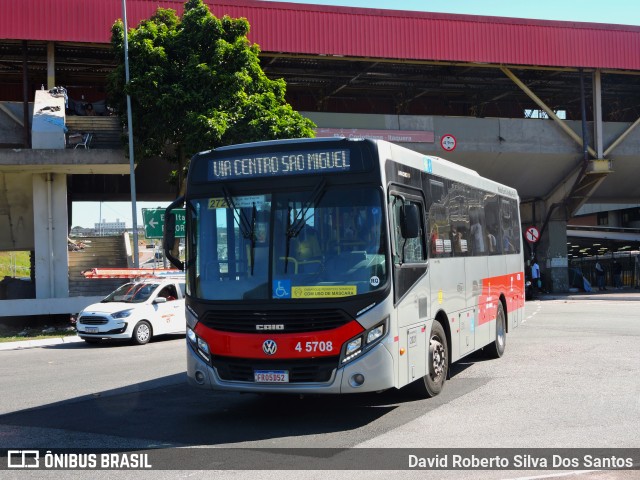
{"points": [[279, 164]]}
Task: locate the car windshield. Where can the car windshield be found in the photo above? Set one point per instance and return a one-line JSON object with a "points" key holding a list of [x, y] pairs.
{"points": [[321, 243], [132, 293]]}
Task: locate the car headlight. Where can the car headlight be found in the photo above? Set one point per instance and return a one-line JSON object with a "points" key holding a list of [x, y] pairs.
{"points": [[363, 342], [122, 314]]}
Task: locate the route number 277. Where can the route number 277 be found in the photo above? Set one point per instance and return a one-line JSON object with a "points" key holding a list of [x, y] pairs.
{"points": [[311, 347]]}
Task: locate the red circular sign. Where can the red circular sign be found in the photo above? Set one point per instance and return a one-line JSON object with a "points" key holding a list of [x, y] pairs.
{"points": [[532, 235], [448, 142]]}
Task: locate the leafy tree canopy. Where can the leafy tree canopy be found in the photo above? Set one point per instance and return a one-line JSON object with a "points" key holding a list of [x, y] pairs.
{"points": [[196, 84]]}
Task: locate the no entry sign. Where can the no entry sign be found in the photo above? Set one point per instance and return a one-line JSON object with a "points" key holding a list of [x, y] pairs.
{"points": [[532, 234]]}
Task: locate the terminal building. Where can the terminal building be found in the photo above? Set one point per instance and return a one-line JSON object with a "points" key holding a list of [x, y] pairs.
{"points": [[550, 108]]}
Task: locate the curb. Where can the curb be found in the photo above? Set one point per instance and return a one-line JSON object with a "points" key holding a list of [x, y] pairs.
{"points": [[39, 343]]}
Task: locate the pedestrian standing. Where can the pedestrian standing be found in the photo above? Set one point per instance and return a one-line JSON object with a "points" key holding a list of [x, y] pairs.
{"points": [[600, 276], [617, 275], [535, 275]]}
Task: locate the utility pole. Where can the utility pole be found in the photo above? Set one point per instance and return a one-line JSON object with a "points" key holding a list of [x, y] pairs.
{"points": [[132, 175]]}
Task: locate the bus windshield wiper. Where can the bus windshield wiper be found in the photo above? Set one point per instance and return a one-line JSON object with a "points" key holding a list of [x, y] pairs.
{"points": [[294, 228], [247, 229], [301, 217]]}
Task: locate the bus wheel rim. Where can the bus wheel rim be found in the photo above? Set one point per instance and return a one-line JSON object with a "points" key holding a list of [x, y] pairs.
{"points": [[438, 357]]}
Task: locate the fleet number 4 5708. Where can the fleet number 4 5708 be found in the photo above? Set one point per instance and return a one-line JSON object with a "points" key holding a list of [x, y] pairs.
{"points": [[311, 347]]}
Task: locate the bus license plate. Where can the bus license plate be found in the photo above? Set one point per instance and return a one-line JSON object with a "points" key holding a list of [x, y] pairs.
{"points": [[271, 376], [91, 329]]}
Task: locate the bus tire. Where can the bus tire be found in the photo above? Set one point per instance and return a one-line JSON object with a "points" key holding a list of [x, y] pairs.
{"points": [[438, 363], [496, 349], [141, 333]]}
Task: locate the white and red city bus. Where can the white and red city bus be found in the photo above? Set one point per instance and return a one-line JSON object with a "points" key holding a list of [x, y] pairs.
{"points": [[343, 266]]}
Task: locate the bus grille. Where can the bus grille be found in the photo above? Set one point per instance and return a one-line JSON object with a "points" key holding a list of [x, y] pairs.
{"points": [[282, 321], [300, 371], [92, 320]]}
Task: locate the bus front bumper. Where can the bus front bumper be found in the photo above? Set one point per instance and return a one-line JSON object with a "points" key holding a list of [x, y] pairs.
{"points": [[372, 372]]}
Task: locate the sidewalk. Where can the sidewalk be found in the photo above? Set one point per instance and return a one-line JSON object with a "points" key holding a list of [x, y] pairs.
{"points": [[19, 345], [624, 295]]}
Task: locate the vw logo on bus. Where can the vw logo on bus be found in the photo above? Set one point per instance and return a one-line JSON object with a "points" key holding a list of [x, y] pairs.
{"points": [[269, 347]]}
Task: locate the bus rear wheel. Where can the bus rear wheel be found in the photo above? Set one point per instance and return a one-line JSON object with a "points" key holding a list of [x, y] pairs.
{"points": [[496, 349], [438, 363]]}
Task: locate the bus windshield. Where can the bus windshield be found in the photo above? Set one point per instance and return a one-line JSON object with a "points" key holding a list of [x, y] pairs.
{"points": [[321, 243]]}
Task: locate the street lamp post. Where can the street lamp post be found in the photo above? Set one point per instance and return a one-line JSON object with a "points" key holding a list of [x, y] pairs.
{"points": [[134, 214]]}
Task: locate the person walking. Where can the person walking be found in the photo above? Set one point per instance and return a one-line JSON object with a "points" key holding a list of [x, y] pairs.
{"points": [[535, 276], [617, 275], [600, 276]]}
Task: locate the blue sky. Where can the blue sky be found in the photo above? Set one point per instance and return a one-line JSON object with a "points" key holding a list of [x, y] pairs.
{"points": [[600, 11], [626, 12]]}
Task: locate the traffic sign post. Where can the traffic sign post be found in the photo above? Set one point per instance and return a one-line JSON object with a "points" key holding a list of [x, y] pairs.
{"points": [[153, 219], [532, 234]]}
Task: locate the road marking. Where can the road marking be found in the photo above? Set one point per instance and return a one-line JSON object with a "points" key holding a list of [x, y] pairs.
{"points": [[538, 307]]}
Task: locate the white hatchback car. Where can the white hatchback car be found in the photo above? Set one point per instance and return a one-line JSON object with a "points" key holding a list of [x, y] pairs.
{"points": [[136, 311]]}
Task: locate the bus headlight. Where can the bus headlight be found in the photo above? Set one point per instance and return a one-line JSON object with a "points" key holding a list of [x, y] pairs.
{"points": [[198, 344], [353, 345], [363, 342], [203, 348], [191, 335], [375, 333]]}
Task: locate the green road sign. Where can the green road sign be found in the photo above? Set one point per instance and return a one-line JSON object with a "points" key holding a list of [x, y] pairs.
{"points": [[153, 219]]}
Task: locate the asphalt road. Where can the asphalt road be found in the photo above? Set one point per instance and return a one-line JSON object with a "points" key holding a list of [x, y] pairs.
{"points": [[569, 379]]}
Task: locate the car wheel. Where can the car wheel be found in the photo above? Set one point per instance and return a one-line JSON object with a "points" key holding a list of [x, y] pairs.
{"points": [[141, 333]]}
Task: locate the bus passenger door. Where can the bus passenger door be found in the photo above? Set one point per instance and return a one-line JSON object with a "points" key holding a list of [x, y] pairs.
{"points": [[409, 253]]}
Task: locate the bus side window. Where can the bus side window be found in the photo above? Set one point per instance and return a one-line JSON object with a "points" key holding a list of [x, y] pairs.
{"points": [[407, 250], [492, 221]]}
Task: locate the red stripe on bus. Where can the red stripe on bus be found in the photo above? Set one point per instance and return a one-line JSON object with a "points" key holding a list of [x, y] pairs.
{"points": [[510, 285], [323, 343]]}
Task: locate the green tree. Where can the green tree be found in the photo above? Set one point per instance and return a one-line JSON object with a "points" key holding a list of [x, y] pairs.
{"points": [[195, 84]]}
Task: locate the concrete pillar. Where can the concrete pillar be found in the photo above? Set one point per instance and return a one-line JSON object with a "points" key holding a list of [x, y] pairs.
{"points": [[50, 235], [552, 256], [597, 114], [51, 65]]}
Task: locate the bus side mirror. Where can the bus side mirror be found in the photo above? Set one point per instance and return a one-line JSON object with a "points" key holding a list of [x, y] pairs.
{"points": [[410, 220], [169, 233]]}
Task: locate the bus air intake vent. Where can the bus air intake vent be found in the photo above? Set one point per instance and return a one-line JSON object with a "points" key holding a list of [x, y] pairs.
{"points": [[275, 322]]}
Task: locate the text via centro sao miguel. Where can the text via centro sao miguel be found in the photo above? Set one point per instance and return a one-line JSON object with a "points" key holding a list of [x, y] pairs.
{"points": [[280, 164]]}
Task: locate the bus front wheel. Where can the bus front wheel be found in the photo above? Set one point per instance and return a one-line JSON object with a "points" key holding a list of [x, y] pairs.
{"points": [[438, 363]]}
